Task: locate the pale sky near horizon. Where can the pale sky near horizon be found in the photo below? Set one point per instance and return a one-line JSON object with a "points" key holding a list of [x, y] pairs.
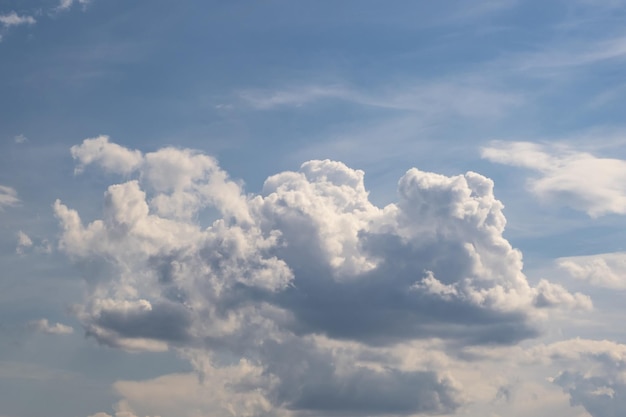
{"points": [[312, 208]]}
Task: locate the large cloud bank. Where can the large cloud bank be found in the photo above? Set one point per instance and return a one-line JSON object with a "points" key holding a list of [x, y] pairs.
{"points": [[281, 298]]}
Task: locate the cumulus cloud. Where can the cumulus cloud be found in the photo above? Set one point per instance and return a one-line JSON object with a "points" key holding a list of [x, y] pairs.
{"points": [[549, 294], [122, 409], [579, 180], [110, 156], [606, 270], [223, 391], [8, 197], [13, 19], [23, 242], [592, 373], [20, 139], [291, 279], [44, 326], [67, 4], [26, 244]]}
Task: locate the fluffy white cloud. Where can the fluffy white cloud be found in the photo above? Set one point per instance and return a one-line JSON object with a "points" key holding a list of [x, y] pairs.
{"points": [[549, 294], [110, 156], [300, 281], [8, 197], [23, 242], [44, 326], [579, 180], [13, 19], [604, 270]]}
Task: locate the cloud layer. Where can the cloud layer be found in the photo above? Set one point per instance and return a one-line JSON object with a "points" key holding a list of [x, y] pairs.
{"points": [[301, 280]]}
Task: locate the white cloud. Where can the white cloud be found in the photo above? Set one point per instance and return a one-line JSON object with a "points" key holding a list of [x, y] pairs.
{"points": [[592, 373], [13, 19], [67, 4], [44, 326], [23, 242], [220, 393], [8, 197], [604, 270], [20, 139], [579, 180], [110, 156], [299, 280], [549, 294]]}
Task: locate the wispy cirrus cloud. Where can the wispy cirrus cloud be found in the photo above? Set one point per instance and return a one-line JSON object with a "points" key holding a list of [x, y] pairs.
{"points": [[427, 98], [584, 53]]}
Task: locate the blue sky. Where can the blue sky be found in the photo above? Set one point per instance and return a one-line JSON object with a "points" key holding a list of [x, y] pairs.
{"points": [[290, 208]]}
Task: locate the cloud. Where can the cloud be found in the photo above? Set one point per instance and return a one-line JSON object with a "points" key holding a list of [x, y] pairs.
{"points": [[23, 242], [13, 19], [549, 294], [570, 56], [302, 279], [20, 139], [579, 180], [67, 4], [8, 197], [110, 156], [470, 99], [221, 392], [592, 373], [44, 326], [606, 270]]}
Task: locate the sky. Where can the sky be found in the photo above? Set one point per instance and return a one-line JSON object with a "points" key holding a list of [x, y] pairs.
{"points": [[312, 208]]}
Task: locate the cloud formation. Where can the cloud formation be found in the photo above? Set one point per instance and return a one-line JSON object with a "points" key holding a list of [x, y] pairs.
{"points": [[302, 279], [606, 270], [13, 19], [592, 375], [575, 179], [67, 4], [8, 197], [23, 242], [44, 326]]}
